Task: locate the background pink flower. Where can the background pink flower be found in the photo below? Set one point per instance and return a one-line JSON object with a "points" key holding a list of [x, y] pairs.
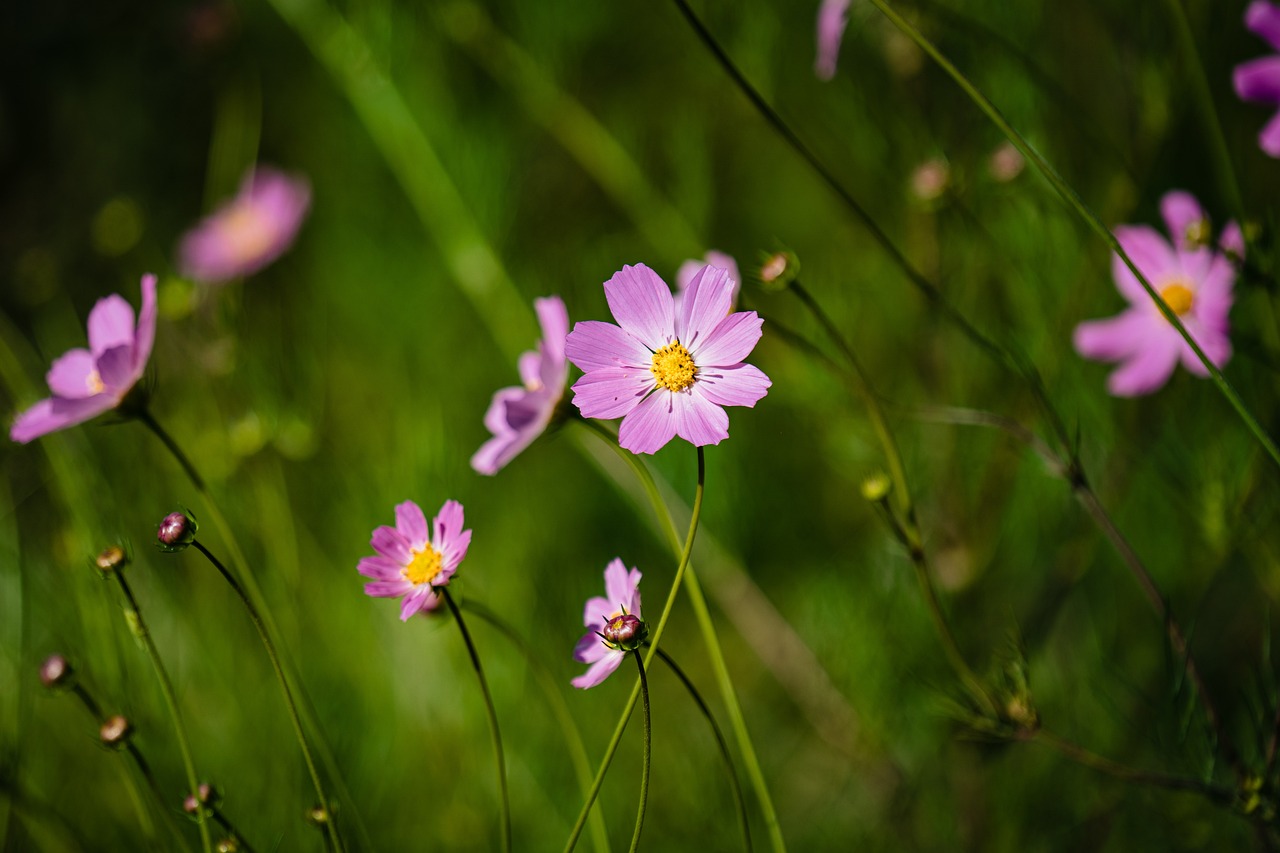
{"points": [[86, 383], [1193, 279], [412, 564], [1259, 79], [621, 595], [520, 414], [248, 232], [666, 372], [833, 17], [690, 268]]}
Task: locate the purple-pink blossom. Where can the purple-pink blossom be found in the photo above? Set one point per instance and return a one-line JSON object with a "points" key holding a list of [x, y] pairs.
{"points": [[667, 372], [520, 414], [692, 267], [833, 17], [1259, 79], [412, 562], [87, 382], [1193, 279], [621, 599], [249, 231]]}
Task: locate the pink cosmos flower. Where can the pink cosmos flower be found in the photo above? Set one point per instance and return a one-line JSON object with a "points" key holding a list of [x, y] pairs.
{"points": [[412, 564], [622, 600], [691, 268], [833, 16], [1191, 278], [248, 232], [519, 414], [1259, 79], [87, 382], [667, 372]]}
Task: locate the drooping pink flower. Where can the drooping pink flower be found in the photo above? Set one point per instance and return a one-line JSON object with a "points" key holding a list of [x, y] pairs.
{"points": [[520, 414], [249, 231], [412, 563], [691, 268], [86, 383], [1259, 79], [833, 17], [621, 600], [1192, 279], [667, 372]]}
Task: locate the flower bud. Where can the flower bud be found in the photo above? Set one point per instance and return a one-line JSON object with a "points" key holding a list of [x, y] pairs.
{"points": [[112, 559], [779, 270], [115, 731], [317, 816], [177, 531], [876, 487], [227, 845], [205, 795], [625, 632], [56, 672]]}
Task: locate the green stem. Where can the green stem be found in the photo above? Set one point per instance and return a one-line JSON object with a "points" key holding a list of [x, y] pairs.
{"points": [[323, 801], [493, 717], [654, 637], [738, 799], [139, 628], [1215, 793], [648, 737]]}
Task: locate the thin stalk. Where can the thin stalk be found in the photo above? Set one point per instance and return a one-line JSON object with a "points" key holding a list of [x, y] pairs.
{"points": [[1215, 793], [648, 738], [493, 717], [654, 636], [230, 830], [738, 799], [139, 628], [145, 769], [330, 825]]}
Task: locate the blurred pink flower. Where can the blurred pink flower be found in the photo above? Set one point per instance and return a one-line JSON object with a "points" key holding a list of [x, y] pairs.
{"points": [[621, 599], [833, 17], [248, 232], [1192, 279], [1259, 79], [412, 564], [666, 372], [520, 414], [691, 268], [86, 383]]}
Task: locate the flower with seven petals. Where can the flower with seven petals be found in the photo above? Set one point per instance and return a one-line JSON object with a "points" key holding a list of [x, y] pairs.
{"points": [[612, 625], [413, 563]]}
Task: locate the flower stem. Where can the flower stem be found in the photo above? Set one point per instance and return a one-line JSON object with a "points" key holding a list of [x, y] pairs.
{"points": [[254, 616], [139, 628], [648, 737], [493, 718], [654, 637], [1215, 793], [738, 799], [144, 414]]}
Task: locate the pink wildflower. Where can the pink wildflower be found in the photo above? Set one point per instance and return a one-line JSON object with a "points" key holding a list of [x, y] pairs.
{"points": [[412, 564], [1259, 79], [667, 372], [833, 17], [248, 232], [520, 414], [86, 383], [612, 623], [691, 268], [1192, 279]]}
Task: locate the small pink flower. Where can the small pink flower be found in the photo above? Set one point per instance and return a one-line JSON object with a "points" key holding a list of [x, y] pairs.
{"points": [[667, 372], [622, 599], [86, 383], [1192, 279], [691, 268], [520, 414], [833, 17], [1259, 79], [412, 564], [248, 232]]}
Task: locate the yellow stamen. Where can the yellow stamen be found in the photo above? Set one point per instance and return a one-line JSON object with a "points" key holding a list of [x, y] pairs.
{"points": [[426, 564], [1178, 297], [673, 367], [94, 382]]}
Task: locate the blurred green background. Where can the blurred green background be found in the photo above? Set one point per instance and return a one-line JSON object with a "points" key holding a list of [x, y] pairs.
{"points": [[466, 158]]}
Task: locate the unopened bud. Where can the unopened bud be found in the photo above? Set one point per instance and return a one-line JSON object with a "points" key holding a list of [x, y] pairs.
{"points": [[177, 531], [205, 795], [625, 632], [227, 845], [779, 270], [930, 179], [112, 559], [876, 487], [1006, 162], [318, 816], [56, 672], [115, 731], [1198, 234]]}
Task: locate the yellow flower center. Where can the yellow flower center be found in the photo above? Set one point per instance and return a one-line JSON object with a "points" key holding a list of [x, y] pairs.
{"points": [[1178, 297], [673, 367], [94, 382], [426, 564]]}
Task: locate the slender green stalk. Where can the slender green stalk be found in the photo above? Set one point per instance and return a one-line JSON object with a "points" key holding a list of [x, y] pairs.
{"points": [[648, 738], [654, 636], [144, 768], [139, 628], [738, 799], [551, 689], [330, 825], [493, 717], [1215, 793]]}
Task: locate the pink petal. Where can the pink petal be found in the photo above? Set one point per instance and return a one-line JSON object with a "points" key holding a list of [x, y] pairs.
{"points": [[1216, 346], [449, 538], [611, 392], [529, 366], [832, 19], [590, 648], [1148, 368], [730, 342], [553, 317], [597, 612], [380, 568], [412, 524], [1180, 211], [1263, 18], [1214, 296], [1116, 337], [115, 367], [56, 413], [1150, 252], [687, 271], [593, 345], [739, 385], [1258, 79], [641, 303], [698, 420], [110, 324], [706, 303], [1232, 240], [388, 588], [1269, 136], [452, 553], [73, 374], [618, 582], [600, 670], [422, 598], [650, 425], [391, 544], [145, 335]]}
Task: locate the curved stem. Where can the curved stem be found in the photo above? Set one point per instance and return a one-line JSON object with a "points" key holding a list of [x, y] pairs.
{"points": [[1215, 793], [738, 799], [654, 637], [648, 737], [493, 717], [322, 800], [139, 628]]}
